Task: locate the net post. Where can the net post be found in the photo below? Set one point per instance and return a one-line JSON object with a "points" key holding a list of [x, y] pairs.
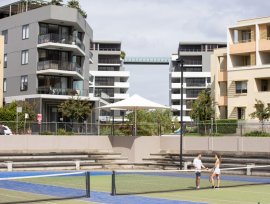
{"points": [[249, 167], [87, 183], [113, 193]]}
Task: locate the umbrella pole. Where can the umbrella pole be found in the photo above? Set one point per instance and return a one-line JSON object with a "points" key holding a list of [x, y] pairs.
{"points": [[135, 119]]}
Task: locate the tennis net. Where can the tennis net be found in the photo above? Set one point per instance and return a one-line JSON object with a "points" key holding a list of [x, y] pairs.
{"points": [[128, 182], [44, 187]]}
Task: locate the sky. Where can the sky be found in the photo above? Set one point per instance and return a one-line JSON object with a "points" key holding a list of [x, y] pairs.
{"points": [[155, 27]]}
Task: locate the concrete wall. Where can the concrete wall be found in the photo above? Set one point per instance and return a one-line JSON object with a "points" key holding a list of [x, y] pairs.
{"points": [[134, 148]]}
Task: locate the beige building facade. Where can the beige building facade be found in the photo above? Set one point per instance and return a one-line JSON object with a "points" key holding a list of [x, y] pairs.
{"points": [[1, 70], [247, 75]]}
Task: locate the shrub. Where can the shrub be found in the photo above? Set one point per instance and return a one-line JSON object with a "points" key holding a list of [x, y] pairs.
{"points": [[62, 131], [46, 133], [257, 134]]}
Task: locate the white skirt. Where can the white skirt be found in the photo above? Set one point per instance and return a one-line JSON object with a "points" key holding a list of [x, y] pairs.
{"points": [[217, 171]]}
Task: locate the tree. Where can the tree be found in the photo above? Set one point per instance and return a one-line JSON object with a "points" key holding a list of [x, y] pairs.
{"points": [[152, 122], [261, 112], [75, 4], [122, 55], [56, 2], [8, 114], [75, 109], [202, 108]]}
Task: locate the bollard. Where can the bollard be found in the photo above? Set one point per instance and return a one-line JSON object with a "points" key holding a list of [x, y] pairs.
{"points": [[77, 164], [249, 166], [9, 165]]}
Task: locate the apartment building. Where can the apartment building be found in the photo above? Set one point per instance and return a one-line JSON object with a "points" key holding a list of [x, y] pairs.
{"points": [[197, 75], [108, 78], [2, 80], [46, 55], [248, 66], [219, 78]]}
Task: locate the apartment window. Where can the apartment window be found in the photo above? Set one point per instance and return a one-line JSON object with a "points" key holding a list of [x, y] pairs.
{"points": [[246, 60], [24, 83], [5, 60], [240, 87], [246, 35], [241, 113], [5, 85], [25, 32], [264, 85], [208, 80], [5, 34], [195, 81], [25, 56]]}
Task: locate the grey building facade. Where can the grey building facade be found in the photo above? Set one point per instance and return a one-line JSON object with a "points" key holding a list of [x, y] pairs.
{"points": [[196, 76], [47, 52]]}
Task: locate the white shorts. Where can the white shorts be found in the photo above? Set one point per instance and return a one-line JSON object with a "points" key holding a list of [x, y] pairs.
{"points": [[217, 171]]}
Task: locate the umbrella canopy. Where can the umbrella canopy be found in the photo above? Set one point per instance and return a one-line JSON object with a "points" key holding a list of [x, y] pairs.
{"points": [[134, 103]]}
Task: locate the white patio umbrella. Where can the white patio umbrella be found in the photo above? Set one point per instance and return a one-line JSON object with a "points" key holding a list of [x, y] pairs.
{"points": [[134, 103]]}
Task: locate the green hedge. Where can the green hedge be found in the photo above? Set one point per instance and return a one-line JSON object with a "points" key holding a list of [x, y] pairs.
{"points": [[224, 126]]}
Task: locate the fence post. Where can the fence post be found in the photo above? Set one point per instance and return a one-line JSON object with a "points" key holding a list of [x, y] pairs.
{"points": [[249, 166], [113, 193], [87, 183]]}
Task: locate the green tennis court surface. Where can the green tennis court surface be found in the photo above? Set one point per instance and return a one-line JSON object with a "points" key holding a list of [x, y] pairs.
{"points": [[167, 188]]}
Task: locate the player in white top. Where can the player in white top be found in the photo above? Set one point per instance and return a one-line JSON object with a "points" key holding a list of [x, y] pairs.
{"points": [[197, 163], [216, 172]]}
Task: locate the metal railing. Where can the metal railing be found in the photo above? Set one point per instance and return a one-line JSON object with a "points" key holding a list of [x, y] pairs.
{"points": [[109, 49], [61, 91], [146, 129], [109, 61], [196, 84], [59, 65], [56, 38]]}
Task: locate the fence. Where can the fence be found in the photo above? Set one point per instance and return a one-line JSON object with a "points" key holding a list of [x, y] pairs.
{"points": [[233, 128], [71, 128]]}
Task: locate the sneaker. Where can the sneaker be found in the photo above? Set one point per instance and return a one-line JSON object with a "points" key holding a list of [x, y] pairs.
{"points": [[217, 187], [213, 187], [198, 187]]}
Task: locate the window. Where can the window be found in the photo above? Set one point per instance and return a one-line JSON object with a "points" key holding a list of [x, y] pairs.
{"points": [[5, 60], [25, 57], [264, 85], [24, 83], [5, 34], [25, 32], [241, 113], [195, 81], [241, 87], [246, 35], [5, 85], [246, 60], [208, 80]]}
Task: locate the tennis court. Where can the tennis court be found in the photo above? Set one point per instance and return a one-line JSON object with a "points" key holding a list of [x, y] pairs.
{"points": [[131, 187]]}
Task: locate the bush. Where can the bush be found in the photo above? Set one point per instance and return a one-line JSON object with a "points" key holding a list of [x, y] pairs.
{"points": [[257, 134], [62, 131], [225, 126], [46, 133]]}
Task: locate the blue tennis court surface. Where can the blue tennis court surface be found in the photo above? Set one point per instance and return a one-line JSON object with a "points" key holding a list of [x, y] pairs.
{"points": [[99, 197]]}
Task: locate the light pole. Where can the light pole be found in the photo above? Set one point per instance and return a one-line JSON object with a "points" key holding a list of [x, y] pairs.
{"points": [[180, 62]]}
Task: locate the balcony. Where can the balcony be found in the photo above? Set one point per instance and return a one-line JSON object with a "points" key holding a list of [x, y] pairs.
{"points": [[109, 61], [110, 73], [195, 84], [121, 85], [121, 96], [264, 45], [246, 46], [59, 91], [56, 67], [56, 41]]}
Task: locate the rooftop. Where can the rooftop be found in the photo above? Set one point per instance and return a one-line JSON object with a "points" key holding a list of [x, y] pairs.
{"points": [[20, 7]]}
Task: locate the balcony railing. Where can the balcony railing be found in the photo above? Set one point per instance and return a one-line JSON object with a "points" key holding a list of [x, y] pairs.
{"points": [[59, 65], [61, 91], [104, 83], [192, 62], [109, 49], [109, 61], [56, 38], [195, 84]]}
